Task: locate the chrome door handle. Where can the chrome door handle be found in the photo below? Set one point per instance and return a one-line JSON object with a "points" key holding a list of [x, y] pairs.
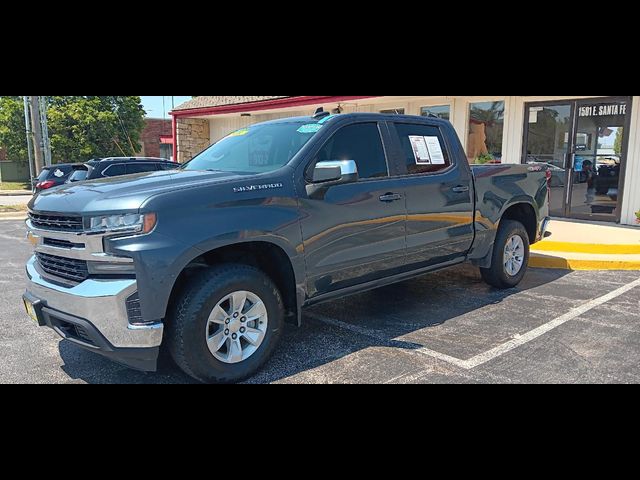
{"points": [[390, 197], [460, 189]]}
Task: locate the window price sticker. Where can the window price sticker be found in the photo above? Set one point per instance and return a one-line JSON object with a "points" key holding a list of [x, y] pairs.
{"points": [[420, 150], [427, 150]]}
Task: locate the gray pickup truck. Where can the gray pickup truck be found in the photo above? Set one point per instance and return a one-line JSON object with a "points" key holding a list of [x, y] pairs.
{"points": [[210, 261]]}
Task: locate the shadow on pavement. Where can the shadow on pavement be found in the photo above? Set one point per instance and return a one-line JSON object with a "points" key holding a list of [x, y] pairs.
{"points": [[406, 309], [392, 312]]}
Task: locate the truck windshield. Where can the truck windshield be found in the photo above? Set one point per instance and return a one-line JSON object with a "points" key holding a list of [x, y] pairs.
{"points": [[257, 149]]}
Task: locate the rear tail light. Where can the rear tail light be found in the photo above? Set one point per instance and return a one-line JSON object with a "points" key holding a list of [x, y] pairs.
{"points": [[45, 185]]}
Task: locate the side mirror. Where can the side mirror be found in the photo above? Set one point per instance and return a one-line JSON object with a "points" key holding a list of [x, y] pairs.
{"points": [[329, 174], [345, 171]]}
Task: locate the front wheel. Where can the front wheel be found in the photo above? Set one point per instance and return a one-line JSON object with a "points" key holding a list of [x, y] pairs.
{"points": [[226, 323], [510, 256]]}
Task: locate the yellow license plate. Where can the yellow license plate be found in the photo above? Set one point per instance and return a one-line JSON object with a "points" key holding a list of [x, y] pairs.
{"points": [[31, 311]]}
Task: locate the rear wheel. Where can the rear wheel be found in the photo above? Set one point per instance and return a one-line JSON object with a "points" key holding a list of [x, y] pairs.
{"points": [[510, 256], [226, 323]]}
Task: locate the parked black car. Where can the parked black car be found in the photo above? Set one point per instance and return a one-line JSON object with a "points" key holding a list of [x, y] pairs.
{"points": [[118, 166], [53, 176]]}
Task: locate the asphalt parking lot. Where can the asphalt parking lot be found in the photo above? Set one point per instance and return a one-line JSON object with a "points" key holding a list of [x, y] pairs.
{"points": [[557, 327]]}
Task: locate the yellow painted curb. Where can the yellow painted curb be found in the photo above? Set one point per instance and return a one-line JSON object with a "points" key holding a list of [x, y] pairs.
{"points": [[601, 249], [559, 263]]}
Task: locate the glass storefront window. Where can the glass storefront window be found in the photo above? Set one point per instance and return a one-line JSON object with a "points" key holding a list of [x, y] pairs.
{"points": [[486, 129], [440, 111]]}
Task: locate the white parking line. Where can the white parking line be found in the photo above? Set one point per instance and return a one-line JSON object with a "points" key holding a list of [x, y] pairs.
{"points": [[547, 327], [494, 353], [383, 340]]}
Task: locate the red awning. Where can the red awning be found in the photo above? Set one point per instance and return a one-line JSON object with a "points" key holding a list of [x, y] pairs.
{"points": [[166, 139]]}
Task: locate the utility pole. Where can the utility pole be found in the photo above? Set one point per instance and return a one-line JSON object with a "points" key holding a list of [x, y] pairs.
{"points": [[37, 133], [27, 122], [46, 144]]}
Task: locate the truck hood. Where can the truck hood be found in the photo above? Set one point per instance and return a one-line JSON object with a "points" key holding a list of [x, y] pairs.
{"points": [[121, 194]]}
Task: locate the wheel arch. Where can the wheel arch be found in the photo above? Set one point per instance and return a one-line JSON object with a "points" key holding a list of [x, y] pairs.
{"points": [[265, 255], [525, 213]]}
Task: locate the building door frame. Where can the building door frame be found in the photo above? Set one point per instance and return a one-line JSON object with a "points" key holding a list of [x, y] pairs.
{"points": [[571, 150]]}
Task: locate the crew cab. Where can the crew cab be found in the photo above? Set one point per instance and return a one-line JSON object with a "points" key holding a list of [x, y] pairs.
{"points": [[209, 261]]}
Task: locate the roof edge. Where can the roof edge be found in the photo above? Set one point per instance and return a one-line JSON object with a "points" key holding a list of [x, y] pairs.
{"points": [[285, 102]]}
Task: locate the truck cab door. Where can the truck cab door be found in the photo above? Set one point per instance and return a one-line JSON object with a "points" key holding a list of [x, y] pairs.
{"points": [[439, 191], [353, 232]]}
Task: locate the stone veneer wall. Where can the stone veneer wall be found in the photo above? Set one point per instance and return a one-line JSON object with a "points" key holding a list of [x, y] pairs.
{"points": [[193, 137]]}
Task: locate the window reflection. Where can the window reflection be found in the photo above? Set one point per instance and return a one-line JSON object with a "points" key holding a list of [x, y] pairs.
{"points": [[440, 111], [486, 129]]}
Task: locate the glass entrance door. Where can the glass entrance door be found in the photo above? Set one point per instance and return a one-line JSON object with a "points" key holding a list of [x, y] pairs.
{"points": [[597, 160], [547, 140], [583, 143]]}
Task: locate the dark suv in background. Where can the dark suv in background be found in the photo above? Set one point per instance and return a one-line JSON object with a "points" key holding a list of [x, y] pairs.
{"points": [[118, 166], [53, 176]]}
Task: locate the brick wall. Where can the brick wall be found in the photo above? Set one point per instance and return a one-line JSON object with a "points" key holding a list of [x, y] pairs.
{"points": [[150, 139], [193, 137]]}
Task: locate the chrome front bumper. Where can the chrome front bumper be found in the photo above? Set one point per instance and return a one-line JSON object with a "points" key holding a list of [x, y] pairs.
{"points": [[100, 302]]}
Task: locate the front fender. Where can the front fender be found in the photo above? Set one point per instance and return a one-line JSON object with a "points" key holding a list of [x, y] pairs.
{"points": [[195, 221]]}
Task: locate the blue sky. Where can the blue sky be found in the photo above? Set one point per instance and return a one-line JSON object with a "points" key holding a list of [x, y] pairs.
{"points": [[153, 105]]}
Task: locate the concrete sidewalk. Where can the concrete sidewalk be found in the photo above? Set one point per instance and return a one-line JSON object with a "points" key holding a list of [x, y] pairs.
{"points": [[588, 246], [15, 193]]}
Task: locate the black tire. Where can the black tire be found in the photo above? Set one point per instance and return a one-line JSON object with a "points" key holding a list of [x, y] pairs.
{"points": [[187, 324], [497, 275]]}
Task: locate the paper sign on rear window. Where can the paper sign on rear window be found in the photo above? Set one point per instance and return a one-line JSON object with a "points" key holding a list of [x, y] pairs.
{"points": [[420, 150], [435, 150]]}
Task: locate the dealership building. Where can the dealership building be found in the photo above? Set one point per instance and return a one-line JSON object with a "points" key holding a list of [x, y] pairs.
{"points": [[591, 143]]}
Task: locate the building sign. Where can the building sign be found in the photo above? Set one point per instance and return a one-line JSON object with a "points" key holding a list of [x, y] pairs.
{"points": [[603, 110]]}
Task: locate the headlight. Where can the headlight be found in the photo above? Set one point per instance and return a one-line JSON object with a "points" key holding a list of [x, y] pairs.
{"points": [[130, 223]]}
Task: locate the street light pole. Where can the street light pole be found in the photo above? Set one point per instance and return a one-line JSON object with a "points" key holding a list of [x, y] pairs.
{"points": [[46, 143], [27, 123], [37, 133]]}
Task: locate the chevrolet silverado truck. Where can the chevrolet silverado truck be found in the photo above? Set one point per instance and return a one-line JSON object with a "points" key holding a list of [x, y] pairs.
{"points": [[209, 261]]}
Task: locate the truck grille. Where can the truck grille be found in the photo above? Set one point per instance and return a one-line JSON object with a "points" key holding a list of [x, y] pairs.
{"points": [[67, 268], [73, 331], [57, 223], [54, 242]]}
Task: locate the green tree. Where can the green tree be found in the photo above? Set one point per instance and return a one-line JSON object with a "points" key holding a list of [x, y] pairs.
{"points": [[92, 126], [80, 127], [617, 146], [12, 129]]}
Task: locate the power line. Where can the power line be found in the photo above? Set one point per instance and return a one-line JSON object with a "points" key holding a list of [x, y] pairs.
{"points": [[122, 125]]}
